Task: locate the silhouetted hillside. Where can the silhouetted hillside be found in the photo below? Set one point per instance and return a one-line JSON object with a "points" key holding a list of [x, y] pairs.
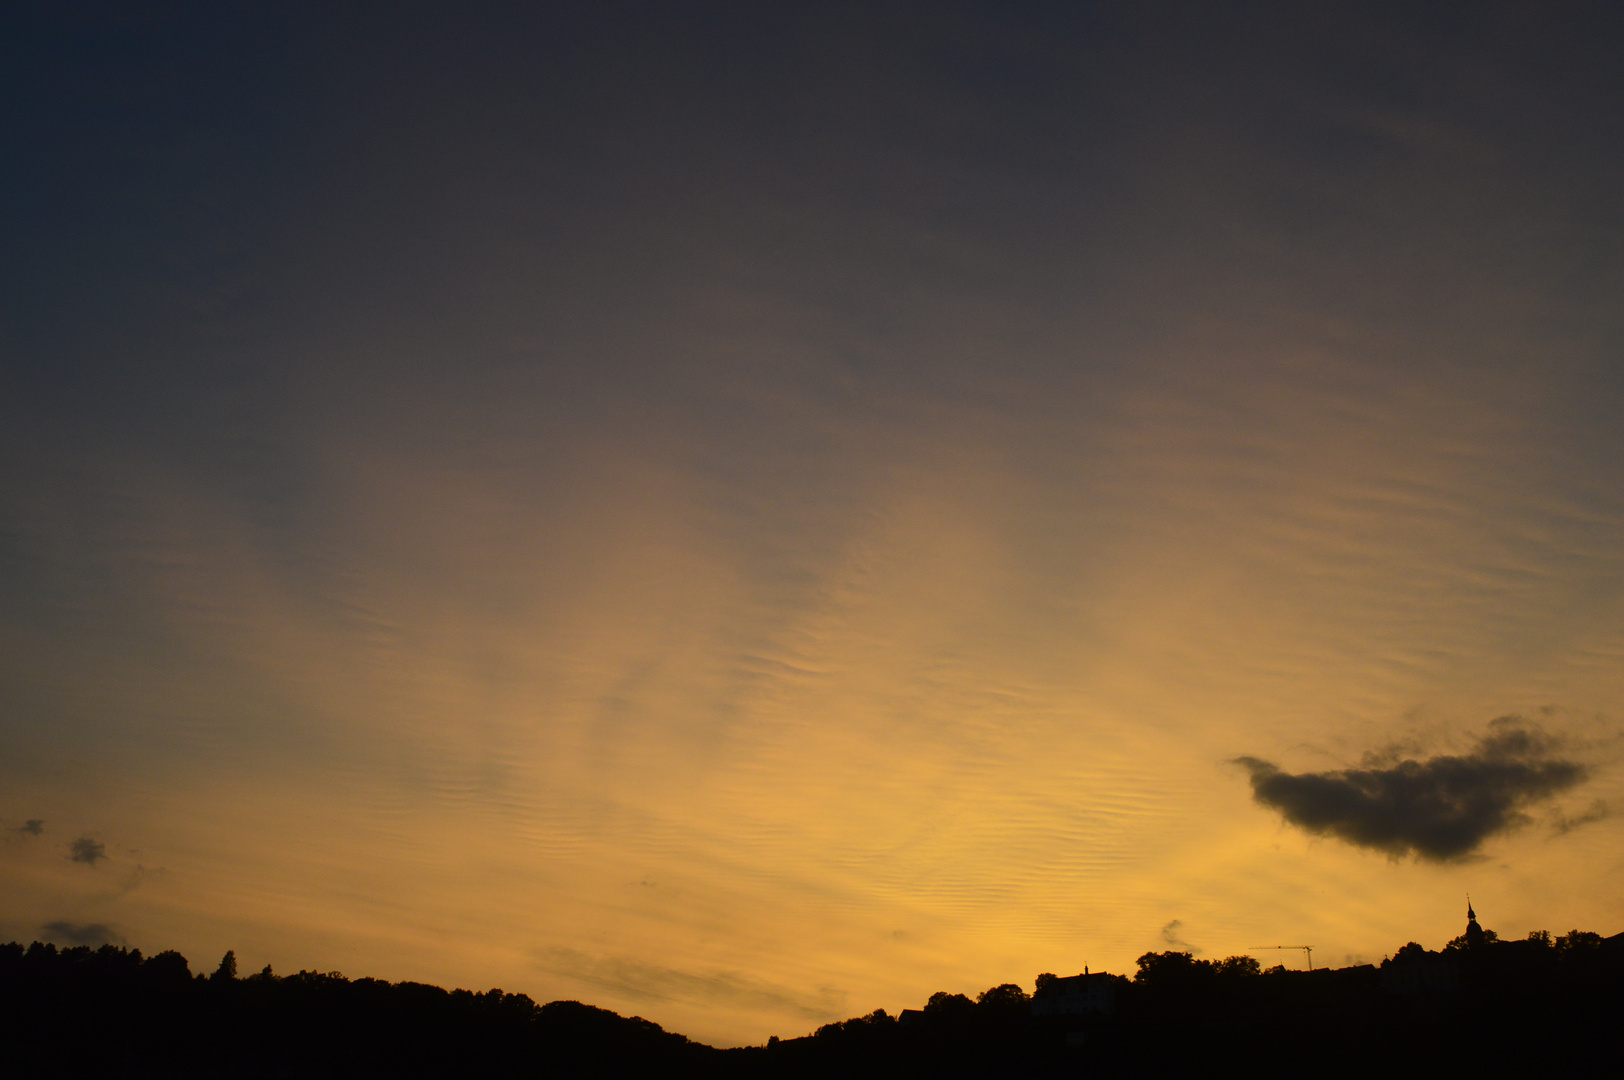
{"points": [[1493, 1007], [1479, 1004], [111, 1012]]}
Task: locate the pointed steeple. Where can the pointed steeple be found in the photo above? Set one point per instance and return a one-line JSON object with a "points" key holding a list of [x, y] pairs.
{"points": [[1474, 932]]}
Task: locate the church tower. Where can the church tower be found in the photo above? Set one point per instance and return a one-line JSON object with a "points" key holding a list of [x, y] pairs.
{"points": [[1474, 932]]}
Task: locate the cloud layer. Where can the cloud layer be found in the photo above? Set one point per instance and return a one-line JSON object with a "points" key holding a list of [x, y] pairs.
{"points": [[1439, 809]]}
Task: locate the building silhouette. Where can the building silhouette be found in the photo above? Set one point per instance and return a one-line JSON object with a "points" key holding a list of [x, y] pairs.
{"points": [[1076, 995]]}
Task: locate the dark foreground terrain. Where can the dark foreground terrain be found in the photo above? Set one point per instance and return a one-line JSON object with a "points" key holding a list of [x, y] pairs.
{"points": [[1491, 1007]]}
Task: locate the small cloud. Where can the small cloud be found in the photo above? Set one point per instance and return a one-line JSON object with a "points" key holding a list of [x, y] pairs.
{"points": [[87, 851], [31, 827], [1440, 809], [1173, 940], [1561, 824], [71, 933]]}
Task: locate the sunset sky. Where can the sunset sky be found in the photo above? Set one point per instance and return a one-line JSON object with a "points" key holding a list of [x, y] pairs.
{"points": [[747, 514]]}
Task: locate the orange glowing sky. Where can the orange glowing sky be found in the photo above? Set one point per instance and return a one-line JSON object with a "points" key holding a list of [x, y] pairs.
{"points": [[748, 518]]}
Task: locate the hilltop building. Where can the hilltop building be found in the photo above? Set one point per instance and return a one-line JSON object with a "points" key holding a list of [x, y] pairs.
{"points": [[1077, 995], [1420, 975], [1474, 933]]}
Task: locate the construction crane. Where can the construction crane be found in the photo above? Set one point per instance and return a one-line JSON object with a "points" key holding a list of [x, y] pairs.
{"points": [[1308, 949]]}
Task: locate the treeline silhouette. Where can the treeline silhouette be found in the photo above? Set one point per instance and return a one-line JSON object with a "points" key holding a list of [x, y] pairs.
{"points": [[1479, 1004], [112, 1012]]}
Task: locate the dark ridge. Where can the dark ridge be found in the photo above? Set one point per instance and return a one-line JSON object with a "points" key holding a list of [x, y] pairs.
{"points": [[1478, 1004]]}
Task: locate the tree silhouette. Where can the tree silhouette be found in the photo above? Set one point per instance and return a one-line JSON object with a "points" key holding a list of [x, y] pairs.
{"points": [[1234, 967], [944, 1004], [1578, 942], [1170, 969], [1002, 996], [1409, 950]]}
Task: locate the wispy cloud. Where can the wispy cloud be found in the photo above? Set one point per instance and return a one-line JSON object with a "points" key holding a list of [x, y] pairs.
{"points": [[1562, 824], [129, 884], [1172, 937], [31, 827], [639, 981], [1439, 809], [72, 933]]}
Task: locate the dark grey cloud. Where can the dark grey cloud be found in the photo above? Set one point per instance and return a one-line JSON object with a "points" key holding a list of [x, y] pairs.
{"points": [[31, 827], [72, 933], [87, 850], [1440, 809]]}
